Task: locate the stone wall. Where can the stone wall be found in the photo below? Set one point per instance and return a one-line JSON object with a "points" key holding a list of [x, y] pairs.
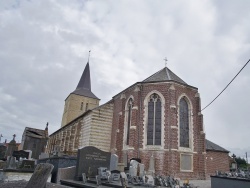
{"points": [[217, 161], [16, 176], [90, 129], [66, 174], [75, 105]]}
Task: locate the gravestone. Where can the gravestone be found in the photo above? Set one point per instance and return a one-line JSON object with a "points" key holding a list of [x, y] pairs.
{"points": [[20, 153], [84, 178], [3, 149], [27, 164], [149, 180], [141, 167], [11, 163], [133, 168], [30, 153], [124, 179], [12, 146], [113, 162], [115, 175], [40, 176], [89, 159], [125, 161], [151, 169], [43, 155], [2, 164]]}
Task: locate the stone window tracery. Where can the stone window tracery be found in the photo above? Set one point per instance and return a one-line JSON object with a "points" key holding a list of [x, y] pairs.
{"points": [[154, 120], [184, 123], [129, 116]]}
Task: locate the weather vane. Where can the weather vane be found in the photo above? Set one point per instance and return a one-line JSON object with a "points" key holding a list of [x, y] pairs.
{"points": [[165, 61]]}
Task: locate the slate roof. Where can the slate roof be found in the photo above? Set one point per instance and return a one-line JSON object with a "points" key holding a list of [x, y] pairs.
{"points": [[214, 147], [36, 133], [84, 86], [164, 74]]}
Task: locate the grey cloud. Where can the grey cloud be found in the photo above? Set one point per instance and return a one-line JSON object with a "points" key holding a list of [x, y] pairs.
{"points": [[44, 48]]}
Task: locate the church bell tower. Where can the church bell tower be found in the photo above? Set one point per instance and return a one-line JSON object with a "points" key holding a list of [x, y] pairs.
{"points": [[80, 100]]}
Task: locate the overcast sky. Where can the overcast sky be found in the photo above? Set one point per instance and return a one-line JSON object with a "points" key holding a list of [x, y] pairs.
{"points": [[44, 48]]}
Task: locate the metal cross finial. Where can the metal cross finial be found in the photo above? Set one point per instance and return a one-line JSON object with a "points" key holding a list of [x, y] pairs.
{"points": [[165, 61], [89, 55], [14, 136]]}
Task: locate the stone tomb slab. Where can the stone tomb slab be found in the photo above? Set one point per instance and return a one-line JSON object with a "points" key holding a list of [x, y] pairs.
{"points": [[20, 154], [27, 164], [89, 159]]}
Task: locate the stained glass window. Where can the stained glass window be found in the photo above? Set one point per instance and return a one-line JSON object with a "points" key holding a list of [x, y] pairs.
{"points": [[130, 105], [154, 120], [184, 123]]}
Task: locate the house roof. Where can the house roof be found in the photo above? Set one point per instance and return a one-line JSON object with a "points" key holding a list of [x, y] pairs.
{"points": [[214, 147], [84, 86], [36, 133], [164, 74]]}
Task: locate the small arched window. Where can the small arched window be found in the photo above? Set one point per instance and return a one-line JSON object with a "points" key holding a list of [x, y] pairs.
{"points": [[129, 107], [184, 123], [86, 108], [154, 120], [81, 106]]}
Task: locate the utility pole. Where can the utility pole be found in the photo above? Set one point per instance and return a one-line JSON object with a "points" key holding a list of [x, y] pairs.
{"points": [[246, 158]]}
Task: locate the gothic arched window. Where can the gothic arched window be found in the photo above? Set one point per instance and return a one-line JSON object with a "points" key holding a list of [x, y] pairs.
{"points": [[129, 108], [184, 123], [154, 120]]}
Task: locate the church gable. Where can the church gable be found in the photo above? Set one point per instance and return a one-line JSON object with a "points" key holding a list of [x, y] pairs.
{"points": [[163, 118]]}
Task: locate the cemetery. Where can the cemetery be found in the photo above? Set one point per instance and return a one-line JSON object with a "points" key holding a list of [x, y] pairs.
{"points": [[93, 167]]}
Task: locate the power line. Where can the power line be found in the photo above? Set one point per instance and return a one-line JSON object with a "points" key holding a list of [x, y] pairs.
{"points": [[227, 85]]}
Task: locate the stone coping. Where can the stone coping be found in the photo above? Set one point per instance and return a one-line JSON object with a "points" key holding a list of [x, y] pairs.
{"points": [[91, 183], [57, 157], [231, 178]]}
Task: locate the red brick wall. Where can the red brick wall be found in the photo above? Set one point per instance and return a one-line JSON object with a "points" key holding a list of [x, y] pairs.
{"points": [[216, 161], [166, 161]]}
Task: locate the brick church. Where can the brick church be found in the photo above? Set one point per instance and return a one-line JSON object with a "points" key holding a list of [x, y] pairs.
{"points": [[158, 117]]}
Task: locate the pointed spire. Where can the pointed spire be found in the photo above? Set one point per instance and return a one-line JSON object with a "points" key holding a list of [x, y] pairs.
{"points": [[84, 86], [85, 79]]}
